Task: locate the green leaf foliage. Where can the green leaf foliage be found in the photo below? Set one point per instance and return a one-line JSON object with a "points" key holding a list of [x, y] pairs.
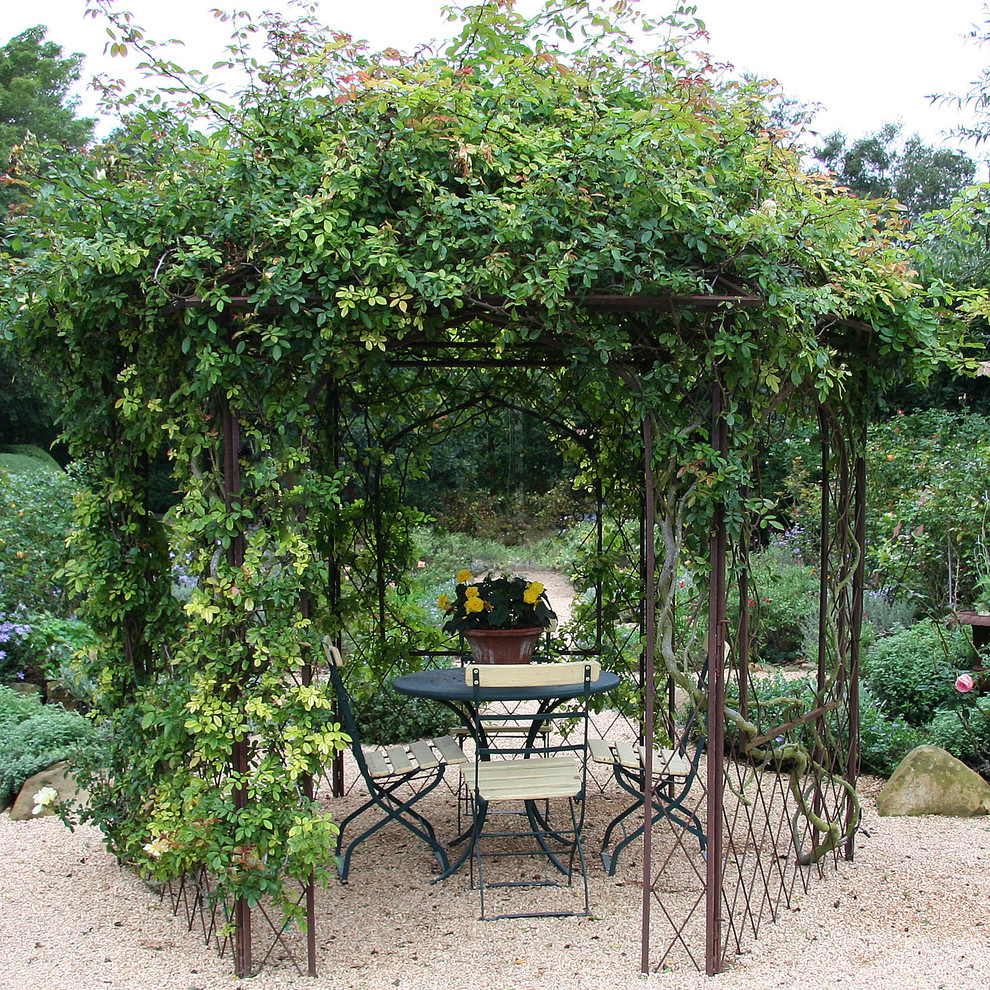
{"points": [[912, 672], [29, 745], [224, 275]]}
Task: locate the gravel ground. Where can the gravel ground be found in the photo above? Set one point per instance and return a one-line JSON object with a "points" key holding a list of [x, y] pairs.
{"points": [[909, 913]]}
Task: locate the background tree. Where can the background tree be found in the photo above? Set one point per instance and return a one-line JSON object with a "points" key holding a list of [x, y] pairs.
{"points": [[35, 83], [920, 177], [949, 243]]}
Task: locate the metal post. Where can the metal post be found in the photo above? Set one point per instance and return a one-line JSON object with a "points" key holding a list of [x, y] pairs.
{"points": [[333, 577], [852, 761], [823, 550], [309, 791], [239, 759], [717, 619], [742, 634], [649, 545]]}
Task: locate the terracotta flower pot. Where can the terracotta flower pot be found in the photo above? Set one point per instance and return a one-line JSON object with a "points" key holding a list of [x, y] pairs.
{"points": [[503, 645]]}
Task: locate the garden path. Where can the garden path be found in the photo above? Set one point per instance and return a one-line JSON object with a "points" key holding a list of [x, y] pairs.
{"points": [[910, 912]]}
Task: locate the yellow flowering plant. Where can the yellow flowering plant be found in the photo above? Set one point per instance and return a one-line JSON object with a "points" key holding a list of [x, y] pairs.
{"points": [[505, 601]]}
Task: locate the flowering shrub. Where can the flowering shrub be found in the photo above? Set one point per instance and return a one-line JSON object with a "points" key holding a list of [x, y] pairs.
{"points": [[504, 602], [962, 726], [15, 652], [911, 671]]}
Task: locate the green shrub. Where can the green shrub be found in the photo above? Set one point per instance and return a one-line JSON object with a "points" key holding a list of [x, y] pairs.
{"points": [[883, 741], [35, 518], [883, 616], [965, 732], [16, 707], [26, 459], [783, 602], [912, 672], [58, 641], [387, 717], [927, 502], [31, 745]]}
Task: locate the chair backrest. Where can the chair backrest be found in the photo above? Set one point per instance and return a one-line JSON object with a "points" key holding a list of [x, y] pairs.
{"points": [[335, 663], [530, 674], [570, 718]]}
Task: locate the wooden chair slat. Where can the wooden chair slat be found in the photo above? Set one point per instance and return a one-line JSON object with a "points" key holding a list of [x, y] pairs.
{"points": [[626, 754], [507, 780], [399, 759], [666, 762], [423, 754], [530, 674], [377, 766], [449, 750], [601, 751]]}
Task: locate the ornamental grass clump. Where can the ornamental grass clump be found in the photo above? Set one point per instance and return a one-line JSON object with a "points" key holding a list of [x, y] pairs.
{"points": [[505, 601]]}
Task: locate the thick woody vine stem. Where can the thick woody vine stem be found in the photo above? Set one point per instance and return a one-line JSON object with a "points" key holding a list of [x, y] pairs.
{"points": [[831, 833]]}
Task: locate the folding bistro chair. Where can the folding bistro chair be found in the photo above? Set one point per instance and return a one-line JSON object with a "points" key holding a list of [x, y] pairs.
{"points": [[419, 764], [673, 775], [494, 728], [510, 784]]}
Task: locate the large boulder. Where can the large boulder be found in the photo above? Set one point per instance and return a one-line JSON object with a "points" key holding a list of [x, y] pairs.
{"points": [[930, 781], [56, 776]]}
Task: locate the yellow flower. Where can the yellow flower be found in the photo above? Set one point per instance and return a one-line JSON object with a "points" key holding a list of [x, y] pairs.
{"points": [[463, 576], [471, 592], [444, 602], [474, 604], [532, 593]]}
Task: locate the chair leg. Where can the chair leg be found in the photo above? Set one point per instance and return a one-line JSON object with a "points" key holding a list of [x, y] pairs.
{"points": [[541, 829], [397, 811], [662, 808], [609, 860], [480, 812], [575, 859]]}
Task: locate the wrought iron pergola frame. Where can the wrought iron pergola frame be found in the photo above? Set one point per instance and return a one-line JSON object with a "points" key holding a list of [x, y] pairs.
{"points": [[729, 880]]}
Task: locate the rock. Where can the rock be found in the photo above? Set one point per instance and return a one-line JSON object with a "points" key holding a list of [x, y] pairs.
{"points": [[27, 688], [56, 776], [57, 694], [930, 781]]}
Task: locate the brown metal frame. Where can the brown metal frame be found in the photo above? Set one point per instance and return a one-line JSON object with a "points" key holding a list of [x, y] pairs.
{"points": [[740, 890], [764, 890]]}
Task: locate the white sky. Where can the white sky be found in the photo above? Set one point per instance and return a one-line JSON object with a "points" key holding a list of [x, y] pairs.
{"points": [[864, 61]]}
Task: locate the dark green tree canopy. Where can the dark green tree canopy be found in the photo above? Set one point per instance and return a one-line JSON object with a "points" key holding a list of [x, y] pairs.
{"points": [[35, 80], [920, 177]]}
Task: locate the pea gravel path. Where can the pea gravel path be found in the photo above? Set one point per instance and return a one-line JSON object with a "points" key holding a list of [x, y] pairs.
{"points": [[911, 913]]}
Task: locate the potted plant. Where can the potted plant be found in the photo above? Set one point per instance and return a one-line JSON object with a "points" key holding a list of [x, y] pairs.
{"points": [[501, 616]]}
